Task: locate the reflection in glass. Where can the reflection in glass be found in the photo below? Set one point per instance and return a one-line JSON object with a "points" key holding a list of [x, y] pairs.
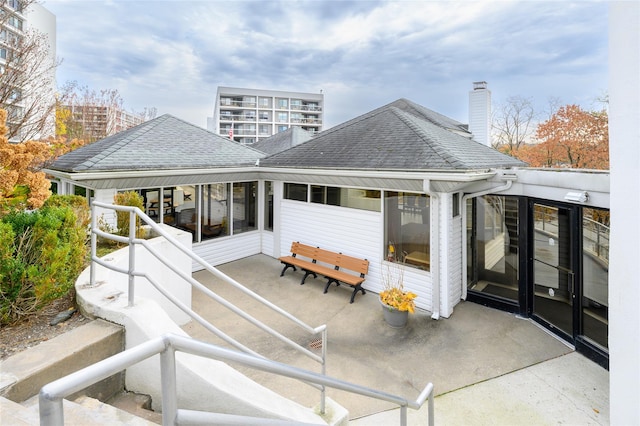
{"points": [[595, 295], [407, 233], [494, 242], [244, 206]]}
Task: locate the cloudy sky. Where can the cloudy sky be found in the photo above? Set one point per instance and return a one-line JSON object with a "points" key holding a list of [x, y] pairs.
{"points": [[173, 55]]}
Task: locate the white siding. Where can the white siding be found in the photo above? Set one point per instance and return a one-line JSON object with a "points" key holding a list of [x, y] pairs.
{"points": [[227, 249], [354, 232], [268, 244], [455, 261], [106, 216]]}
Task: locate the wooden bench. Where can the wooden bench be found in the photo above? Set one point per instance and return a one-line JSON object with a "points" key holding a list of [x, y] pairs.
{"points": [[333, 266]]}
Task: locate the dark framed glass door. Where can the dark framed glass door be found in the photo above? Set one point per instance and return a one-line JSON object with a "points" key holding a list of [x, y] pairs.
{"points": [[555, 268]]}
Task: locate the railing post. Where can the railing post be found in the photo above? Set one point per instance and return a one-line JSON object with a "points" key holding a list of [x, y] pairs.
{"points": [[168, 384], [132, 255], [403, 415], [432, 410], [323, 390], [51, 411], [94, 246]]}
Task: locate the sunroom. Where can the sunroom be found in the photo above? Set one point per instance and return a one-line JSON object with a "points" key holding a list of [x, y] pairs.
{"points": [[386, 186]]}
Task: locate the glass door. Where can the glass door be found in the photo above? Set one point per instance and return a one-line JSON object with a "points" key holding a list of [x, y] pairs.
{"points": [[554, 266]]}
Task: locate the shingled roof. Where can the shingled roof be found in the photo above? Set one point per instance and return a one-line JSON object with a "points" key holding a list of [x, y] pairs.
{"points": [[283, 140], [399, 136], [163, 143]]}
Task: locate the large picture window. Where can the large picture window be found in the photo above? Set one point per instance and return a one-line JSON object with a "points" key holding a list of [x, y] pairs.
{"points": [[244, 206], [407, 228], [268, 205]]}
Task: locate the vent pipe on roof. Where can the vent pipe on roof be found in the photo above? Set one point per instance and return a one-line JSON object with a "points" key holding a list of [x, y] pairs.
{"points": [[480, 113]]}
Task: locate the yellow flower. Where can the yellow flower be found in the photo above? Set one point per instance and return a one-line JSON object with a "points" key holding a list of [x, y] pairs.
{"points": [[397, 298]]}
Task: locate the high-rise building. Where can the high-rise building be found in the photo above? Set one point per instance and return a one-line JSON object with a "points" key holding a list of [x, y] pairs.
{"points": [[29, 97], [248, 115], [100, 121]]}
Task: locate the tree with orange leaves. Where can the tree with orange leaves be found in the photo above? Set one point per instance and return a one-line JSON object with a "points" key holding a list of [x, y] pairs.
{"points": [[573, 138], [22, 184]]}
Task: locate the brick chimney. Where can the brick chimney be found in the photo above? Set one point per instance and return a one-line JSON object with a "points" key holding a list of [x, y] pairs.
{"points": [[480, 113]]}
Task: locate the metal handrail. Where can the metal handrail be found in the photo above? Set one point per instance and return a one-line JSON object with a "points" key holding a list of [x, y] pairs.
{"points": [[132, 240], [51, 395]]}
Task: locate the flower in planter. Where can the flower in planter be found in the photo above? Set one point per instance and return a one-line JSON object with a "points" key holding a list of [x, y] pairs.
{"points": [[394, 294]]}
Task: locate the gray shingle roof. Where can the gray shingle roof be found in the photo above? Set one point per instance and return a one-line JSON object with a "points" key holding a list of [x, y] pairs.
{"points": [[398, 136], [283, 140], [165, 142]]}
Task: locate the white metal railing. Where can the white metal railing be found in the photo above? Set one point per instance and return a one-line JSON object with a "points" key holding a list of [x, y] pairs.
{"points": [[131, 271], [595, 234], [51, 395]]}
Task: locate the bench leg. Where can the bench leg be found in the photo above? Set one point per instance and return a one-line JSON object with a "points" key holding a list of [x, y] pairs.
{"points": [[286, 266], [307, 273], [329, 281], [355, 291]]}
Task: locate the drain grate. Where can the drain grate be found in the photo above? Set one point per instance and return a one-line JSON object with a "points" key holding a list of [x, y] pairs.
{"points": [[316, 344]]}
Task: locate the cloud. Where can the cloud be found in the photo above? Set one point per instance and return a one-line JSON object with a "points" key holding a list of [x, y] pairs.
{"points": [[174, 54]]}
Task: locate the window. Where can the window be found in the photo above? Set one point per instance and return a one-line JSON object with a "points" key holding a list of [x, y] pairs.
{"points": [[493, 244], [244, 206], [268, 205], [264, 129], [595, 294], [282, 128], [295, 191], [213, 222], [455, 208], [283, 117], [407, 229], [264, 102], [283, 103]]}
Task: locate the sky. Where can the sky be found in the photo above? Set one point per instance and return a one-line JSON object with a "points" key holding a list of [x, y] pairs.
{"points": [[173, 55]]}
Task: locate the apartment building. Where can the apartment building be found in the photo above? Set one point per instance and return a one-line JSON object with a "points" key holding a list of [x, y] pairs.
{"points": [[249, 115], [27, 98], [100, 121]]}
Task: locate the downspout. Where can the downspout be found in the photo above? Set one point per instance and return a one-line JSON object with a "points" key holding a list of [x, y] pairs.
{"points": [[435, 266], [509, 182]]}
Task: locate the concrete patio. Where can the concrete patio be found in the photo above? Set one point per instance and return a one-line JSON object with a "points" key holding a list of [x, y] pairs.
{"points": [[487, 366]]}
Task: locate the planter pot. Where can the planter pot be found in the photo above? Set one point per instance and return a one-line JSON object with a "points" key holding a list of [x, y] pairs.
{"points": [[394, 317]]}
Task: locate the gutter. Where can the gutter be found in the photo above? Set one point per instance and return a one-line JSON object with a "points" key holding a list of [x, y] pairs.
{"points": [[509, 178]]}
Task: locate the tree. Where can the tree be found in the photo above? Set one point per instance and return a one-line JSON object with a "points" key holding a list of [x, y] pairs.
{"points": [[90, 115], [513, 124], [22, 184], [572, 138], [27, 78]]}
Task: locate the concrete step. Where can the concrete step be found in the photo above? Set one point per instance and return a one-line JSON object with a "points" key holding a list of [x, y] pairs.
{"points": [[83, 410], [102, 413], [14, 414], [137, 404], [23, 374]]}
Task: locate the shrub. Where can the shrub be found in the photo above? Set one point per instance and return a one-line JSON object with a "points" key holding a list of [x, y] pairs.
{"points": [[41, 256], [133, 199]]}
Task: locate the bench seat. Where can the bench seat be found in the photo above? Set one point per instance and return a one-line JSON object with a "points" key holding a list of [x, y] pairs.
{"points": [[332, 266]]}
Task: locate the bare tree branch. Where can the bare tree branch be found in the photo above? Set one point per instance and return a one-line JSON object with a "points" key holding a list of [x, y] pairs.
{"points": [[512, 123]]}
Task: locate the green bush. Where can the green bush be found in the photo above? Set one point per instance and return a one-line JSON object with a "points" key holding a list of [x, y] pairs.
{"points": [[41, 255], [133, 199]]}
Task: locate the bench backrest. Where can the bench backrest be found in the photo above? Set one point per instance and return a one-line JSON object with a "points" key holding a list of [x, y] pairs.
{"points": [[303, 250], [361, 266]]}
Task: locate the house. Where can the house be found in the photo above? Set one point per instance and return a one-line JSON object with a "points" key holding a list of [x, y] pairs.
{"points": [[399, 184]]}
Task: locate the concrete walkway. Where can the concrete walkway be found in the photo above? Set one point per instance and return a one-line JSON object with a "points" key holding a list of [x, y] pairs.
{"points": [[488, 367]]}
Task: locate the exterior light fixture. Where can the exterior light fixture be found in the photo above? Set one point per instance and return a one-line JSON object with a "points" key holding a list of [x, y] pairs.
{"points": [[577, 196]]}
